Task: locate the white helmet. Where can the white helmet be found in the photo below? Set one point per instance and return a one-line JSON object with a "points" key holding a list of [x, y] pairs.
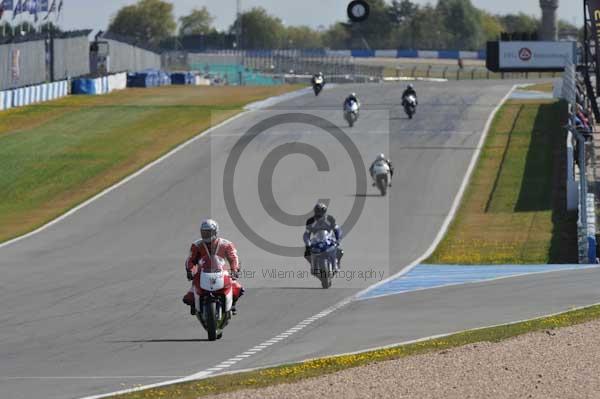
{"points": [[209, 230], [410, 86], [381, 157]]}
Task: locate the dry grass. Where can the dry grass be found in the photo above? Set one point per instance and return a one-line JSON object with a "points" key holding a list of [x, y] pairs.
{"points": [[56, 155], [513, 209]]}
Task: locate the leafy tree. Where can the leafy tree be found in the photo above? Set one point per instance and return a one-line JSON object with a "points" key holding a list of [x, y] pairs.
{"points": [[376, 30], [260, 30], [427, 33], [519, 23], [198, 22], [462, 22], [491, 26], [303, 37], [337, 36], [402, 10], [147, 21]]}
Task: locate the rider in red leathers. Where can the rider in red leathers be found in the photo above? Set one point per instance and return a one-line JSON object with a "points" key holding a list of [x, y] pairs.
{"points": [[210, 248]]}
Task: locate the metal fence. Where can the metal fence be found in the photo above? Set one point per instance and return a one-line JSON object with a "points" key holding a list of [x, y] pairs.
{"points": [[27, 60], [22, 64], [71, 57], [291, 66], [128, 57], [578, 155]]}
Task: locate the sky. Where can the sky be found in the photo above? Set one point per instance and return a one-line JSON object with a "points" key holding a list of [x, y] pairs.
{"points": [[96, 14]]}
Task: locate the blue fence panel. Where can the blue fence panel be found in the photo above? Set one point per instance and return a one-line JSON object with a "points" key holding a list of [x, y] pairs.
{"points": [[83, 86], [363, 53], [408, 54], [448, 54]]}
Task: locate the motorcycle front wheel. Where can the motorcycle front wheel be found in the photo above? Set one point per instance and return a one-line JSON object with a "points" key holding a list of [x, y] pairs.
{"points": [[325, 273], [211, 320]]}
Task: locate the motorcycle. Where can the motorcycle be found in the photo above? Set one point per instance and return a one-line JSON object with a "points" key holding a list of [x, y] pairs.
{"points": [[351, 112], [381, 175], [410, 106], [318, 84], [214, 301], [323, 258]]}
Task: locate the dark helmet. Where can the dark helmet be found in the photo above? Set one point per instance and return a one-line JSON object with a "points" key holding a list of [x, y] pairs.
{"points": [[320, 210], [209, 230]]}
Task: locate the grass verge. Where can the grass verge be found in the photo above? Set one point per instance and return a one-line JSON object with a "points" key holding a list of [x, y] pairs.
{"points": [[319, 367], [56, 155], [513, 211]]}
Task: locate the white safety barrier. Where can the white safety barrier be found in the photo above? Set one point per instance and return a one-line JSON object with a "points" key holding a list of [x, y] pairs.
{"points": [[386, 53], [200, 81], [5, 100], [24, 96], [117, 81]]}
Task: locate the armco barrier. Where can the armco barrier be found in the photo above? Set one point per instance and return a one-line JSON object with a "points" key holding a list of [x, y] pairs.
{"points": [[5, 100], [24, 96]]}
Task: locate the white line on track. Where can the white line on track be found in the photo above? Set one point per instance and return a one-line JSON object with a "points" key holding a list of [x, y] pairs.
{"points": [[341, 304]]}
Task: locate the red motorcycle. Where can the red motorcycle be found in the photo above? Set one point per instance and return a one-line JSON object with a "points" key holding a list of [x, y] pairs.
{"points": [[214, 299]]}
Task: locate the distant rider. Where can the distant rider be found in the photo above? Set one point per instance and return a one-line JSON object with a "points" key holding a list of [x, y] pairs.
{"points": [[203, 252], [409, 91], [322, 221], [318, 76], [382, 158]]}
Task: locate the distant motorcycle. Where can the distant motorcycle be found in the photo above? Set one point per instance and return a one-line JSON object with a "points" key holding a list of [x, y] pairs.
{"points": [[214, 301], [351, 112], [381, 174], [318, 84], [410, 106], [323, 250]]}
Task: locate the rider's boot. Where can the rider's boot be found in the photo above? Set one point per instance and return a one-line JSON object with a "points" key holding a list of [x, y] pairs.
{"points": [[188, 299]]}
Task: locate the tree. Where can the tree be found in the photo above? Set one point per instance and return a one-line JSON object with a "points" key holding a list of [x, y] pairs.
{"points": [[260, 30], [147, 21], [198, 22], [402, 10], [303, 37], [337, 36], [462, 21], [492, 27], [376, 30], [426, 31], [519, 23]]}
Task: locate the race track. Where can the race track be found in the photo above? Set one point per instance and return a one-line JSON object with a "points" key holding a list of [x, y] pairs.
{"points": [[93, 303]]}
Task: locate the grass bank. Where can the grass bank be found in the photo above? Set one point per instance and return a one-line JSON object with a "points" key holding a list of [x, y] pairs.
{"points": [[318, 367], [514, 208], [55, 155]]}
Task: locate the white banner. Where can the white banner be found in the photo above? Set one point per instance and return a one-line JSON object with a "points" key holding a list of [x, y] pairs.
{"points": [[536, 55]]}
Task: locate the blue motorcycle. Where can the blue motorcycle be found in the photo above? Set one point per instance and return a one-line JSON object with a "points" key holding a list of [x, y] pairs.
{"points": [[323, 249]]}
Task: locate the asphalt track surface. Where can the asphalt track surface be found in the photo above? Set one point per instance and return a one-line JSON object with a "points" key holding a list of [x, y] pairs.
{"points": [[93, 303]]}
